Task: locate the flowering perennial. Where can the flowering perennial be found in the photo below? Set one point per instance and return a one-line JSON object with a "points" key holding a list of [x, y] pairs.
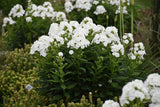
{"points": [[44, 11], [87, 5], [137, 89], [81, 35], [133, 90]]}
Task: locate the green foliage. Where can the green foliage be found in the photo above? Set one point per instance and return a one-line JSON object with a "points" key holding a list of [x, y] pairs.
{"points": [[19, 60], [6, 5], [17, 72]]}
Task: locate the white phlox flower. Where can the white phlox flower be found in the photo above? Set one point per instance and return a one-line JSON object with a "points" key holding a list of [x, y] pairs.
{"points": [[60, 54], [138, 51], [153, 80], [28, 19], [83, 4], [45, 10], [41, 45], [71, 52], [110, 103], [78, 40], [68, 6], [59, 16], [100, 10], [95, 2], [155, 95], [100, 38], [117, 49], [17, 11], [74, 24], [117, 3], [112, 34], [153, 85], [133, 90], [8, 20], [65, 26], [127, 38]]}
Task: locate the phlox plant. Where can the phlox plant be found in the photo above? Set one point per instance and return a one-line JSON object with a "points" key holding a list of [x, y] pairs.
{"points": [[103, 12], [77, 58], [26, 25], [139, 94]]}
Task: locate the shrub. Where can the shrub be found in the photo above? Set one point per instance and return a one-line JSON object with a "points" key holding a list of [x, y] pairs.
{"points": [[16, 74], [86, 58], [19, 60]]}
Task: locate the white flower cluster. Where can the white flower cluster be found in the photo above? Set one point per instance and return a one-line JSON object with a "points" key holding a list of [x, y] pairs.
{"points": [[137, 89], [153, 85], [133, 90], [127, 38], [110, 103], [84, 5], [41, 45], [68, 6], [8, 20], [118, 4], [117, 49], [45, 10], [17, 11], [100, 10], [28, 19], [81, 35], [137, 52]]}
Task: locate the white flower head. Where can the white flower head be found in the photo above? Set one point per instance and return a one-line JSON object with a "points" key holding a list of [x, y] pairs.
{"points": [[68, 6], [117, 49], [71, 52], [153, 80], [41, 45], [8, 20], [127, 37], [17, 11], [60, 54], [133, 90], [83, 4], [110, 103], [28, 19], [100, 10]]}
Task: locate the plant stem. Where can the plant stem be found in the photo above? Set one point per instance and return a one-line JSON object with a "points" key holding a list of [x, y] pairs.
{"points": [[131, 18], [122, 24]]}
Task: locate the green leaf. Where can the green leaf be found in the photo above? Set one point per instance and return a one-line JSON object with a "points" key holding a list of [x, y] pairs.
{"points": [[72, 85], [63, 86], [115, 85], [83, 69]]}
